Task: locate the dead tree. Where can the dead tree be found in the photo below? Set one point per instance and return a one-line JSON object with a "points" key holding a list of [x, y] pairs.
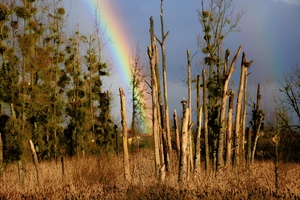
{"points": [[164, 144], [197, 158], [245, 64], [125, 140], [153, 58], [164, 69], [176, 133], [189, 82], [183, 168], [227, 75], [229, 130], [205, 125], [258, 117], [244, 116], [36, 162]]}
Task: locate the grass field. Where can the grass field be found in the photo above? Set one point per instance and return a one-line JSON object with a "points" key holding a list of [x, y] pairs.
{"points": [[102, 178]]}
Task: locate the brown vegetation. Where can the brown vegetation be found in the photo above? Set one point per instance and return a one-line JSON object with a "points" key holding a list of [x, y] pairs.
{"points": [[102, 178]]}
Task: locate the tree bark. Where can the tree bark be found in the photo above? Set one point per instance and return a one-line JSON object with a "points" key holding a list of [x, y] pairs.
{"points": [[125, 140], [176, 133], [165, 153], [222, 122], [244, 116], [183, 169], [197, 159], [205, 111], [197, 164], [245, 64], [164, 69], [229, 130], [153, 58], [189, 81], [36, 162]]}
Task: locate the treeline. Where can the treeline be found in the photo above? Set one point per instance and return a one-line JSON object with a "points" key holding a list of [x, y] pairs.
{"points": [[51, 84]]}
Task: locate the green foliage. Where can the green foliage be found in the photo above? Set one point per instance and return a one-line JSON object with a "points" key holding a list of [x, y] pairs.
{"points": [[54, 82], [3, 12], [9, 79], [257, 115], [105, 129], [22, 12], [26, 43], [12, 139], [61, 11]]}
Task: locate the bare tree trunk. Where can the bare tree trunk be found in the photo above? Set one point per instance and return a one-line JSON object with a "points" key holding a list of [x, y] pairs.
{"points": [[164, 69], [244, 116], [245, 64], [207, 159], [189, 81], [162, 170], [183, 169], [237, 119], [13, 113], [165, 153], [197, 159], [36, 162], [257, 135], [21, 172], [229, 130], [152, 54], [197, 163], [222, 122], [176, 133], [249, 143], [125, 140], [133, 134]]}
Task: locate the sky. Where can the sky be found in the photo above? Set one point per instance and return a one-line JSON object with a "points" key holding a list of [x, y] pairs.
{"points": [[269, 34]]}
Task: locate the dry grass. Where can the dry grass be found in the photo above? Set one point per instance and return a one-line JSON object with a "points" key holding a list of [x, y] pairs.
{"points": [[102, 178]]}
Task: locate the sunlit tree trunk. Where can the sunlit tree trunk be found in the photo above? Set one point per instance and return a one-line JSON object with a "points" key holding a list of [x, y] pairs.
{"points": [[125, 140], [244, 117], [227, 76], [190, 143], [183, 165], [164, 69], [245, 64], [36, 162], [229, 130], [153, 58]]}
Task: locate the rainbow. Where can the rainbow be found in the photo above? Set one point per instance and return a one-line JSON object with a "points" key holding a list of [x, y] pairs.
{"points": [[121, 44]]}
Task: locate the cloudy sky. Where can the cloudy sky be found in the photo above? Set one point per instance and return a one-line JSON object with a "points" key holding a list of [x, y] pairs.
{"points": [[270, 35]]}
